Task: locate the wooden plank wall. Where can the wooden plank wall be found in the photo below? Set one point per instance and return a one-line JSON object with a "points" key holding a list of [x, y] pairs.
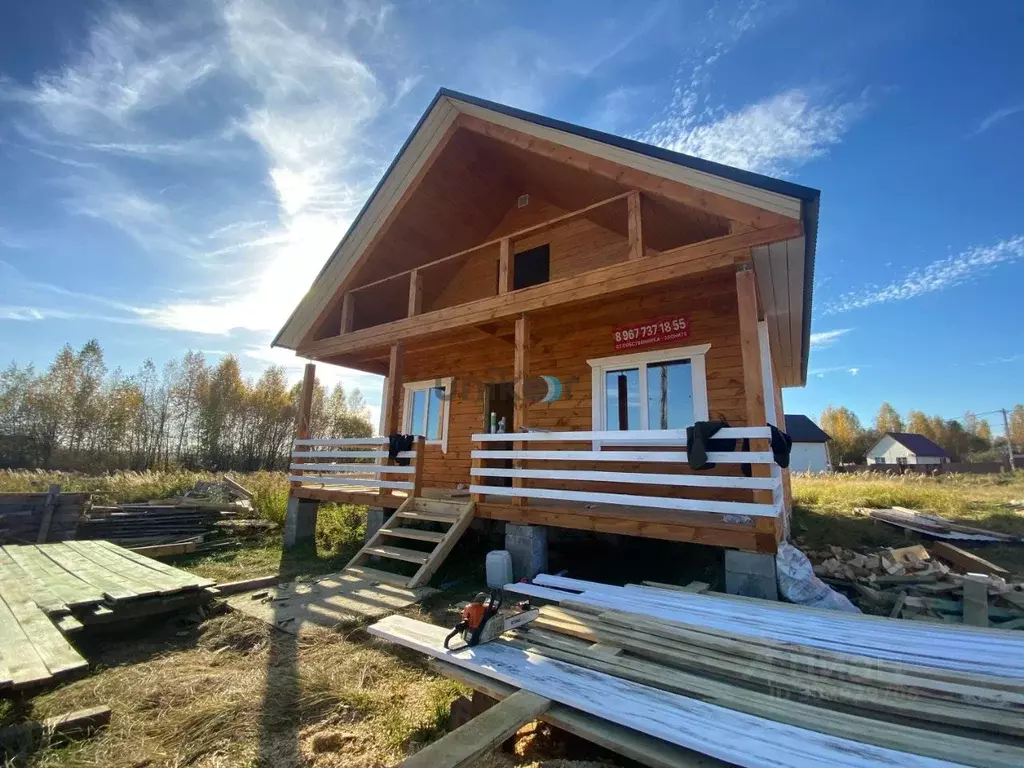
{"points": [[563, 339]]}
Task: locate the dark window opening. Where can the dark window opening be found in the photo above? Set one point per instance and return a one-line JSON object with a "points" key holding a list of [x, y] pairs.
{"points": [[532, 267]]}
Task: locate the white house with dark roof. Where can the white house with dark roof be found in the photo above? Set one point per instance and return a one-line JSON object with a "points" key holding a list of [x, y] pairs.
{"points": [[906, 448], [810, 445]]}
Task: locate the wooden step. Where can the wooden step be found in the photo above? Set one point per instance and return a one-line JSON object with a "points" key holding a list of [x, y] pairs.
{"points": [[372, 574], [398, 553], [440, 506], [413, 533], [432, 517]]}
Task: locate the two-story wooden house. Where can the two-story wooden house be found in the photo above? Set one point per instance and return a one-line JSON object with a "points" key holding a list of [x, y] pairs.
{"points": [[593, 295]]}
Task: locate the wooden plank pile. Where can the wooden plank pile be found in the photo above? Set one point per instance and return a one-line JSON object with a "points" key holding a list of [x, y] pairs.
{"points": [[936, 527], [47, 516], [910, 583], [48, 591], [754, 683], [210, 510]]}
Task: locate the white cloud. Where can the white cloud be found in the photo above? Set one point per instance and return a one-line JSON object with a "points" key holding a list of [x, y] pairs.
{"points": [[824, 339], [821, 373], [939, 275], [995, 117], [129, 67], [771, 136]]}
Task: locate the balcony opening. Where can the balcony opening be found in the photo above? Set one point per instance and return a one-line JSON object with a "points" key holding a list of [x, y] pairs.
{"points": [[532, 267]]}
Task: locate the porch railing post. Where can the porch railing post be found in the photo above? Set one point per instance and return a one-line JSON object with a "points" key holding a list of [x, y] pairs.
{"points": [[392, 397], [303, 416], [477, 498], [421, 458], [520, 405]]}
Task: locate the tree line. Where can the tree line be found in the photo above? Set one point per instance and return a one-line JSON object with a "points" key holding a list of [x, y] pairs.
{"points": [[967, 439], [76, 414]]}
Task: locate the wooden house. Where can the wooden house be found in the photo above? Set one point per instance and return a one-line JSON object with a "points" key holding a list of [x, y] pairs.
{"points": [[593, 294]]}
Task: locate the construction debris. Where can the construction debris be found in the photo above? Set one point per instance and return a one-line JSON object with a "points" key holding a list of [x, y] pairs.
{"points": [[210, 516], [937, 527], [910, 583], [38, 517]]}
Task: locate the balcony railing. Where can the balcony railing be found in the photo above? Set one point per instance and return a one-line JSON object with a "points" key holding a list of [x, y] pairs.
{"points": [[660, 449], [366, 468]]}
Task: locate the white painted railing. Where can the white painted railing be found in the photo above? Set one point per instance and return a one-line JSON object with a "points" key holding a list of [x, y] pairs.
{"points": [[367, 464], [534, 447]]}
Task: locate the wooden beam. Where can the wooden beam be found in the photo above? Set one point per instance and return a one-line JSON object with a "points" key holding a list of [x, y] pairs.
{"points": [[750, 347], [753, 379], [692, 259], [52, 497], [976, 600], [53, 730], [415, 293], [305, 409], [421, 460], [483, 733], [520, 405], [964, 559], [348, 309], [703, 200], [506, 269], [636, 231], [393, 389]]}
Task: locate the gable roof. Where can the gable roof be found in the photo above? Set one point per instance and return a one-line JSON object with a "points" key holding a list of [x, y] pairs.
{"points": [[442, 113], [803, 430], [917, 444]]}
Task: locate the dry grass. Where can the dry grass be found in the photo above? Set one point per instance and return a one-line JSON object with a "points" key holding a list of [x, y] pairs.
{"points": [[233, 692]]}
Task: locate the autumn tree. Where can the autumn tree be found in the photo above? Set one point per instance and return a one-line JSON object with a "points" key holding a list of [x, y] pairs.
{"points": [[843, 426], [888, 420]]}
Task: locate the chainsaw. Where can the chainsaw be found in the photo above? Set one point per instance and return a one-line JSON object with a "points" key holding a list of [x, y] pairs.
{"points": [[482, 621]]}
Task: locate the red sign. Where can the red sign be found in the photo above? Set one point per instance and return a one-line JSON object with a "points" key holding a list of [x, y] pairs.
{"points": [[650, 332]]}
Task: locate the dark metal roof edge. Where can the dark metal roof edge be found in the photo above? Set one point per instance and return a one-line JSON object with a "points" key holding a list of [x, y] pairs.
{"points": [[810, 218]]}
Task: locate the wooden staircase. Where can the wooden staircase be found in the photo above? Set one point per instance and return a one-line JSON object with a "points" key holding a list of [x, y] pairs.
{"points": [[401, 526]]}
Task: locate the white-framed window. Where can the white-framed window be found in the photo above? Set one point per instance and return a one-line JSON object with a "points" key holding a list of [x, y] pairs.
{"points": [[425, 411], [660, 389]]}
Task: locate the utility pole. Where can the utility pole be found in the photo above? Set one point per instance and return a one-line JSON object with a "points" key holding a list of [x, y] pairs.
{"points": [[1009, 442]]}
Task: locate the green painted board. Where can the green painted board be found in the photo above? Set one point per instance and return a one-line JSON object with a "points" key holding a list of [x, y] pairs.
{"points": [[68, 587], [184, 576], [113, 587], [47, 641], [15, 583], [143, 581], [17, 652]]}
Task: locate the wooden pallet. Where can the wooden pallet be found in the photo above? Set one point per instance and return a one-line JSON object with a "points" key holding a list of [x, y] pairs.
{"points": [[386, 541]]}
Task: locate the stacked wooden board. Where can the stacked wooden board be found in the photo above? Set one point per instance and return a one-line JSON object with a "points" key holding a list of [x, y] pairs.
{"points": [[754, 683], [49, 590], [53, 516]]}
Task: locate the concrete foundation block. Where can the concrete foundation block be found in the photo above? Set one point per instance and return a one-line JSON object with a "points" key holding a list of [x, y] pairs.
{"points": [[528, 545], [300, 522], [751, 574], [376, 517]]}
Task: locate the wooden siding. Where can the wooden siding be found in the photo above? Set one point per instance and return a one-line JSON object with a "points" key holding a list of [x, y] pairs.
{"points": [[561, 343]]}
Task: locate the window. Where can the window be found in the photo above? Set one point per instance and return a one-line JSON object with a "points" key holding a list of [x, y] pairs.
{"points": [[662, 389], [426, 410], [531, 267]]}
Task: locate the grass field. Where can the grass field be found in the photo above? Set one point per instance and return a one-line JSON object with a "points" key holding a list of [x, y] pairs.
{"points": [[229, 691]]}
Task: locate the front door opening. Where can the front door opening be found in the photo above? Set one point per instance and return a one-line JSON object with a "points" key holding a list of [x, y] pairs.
{"points": [[499, 400]]}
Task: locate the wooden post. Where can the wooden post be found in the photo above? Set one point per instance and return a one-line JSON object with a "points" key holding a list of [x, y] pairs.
{"points": [[421, 459], [348, 308], [415, 293], [520, 411], [305, 411], [478, 498], [636, 230], [506, 269], [392, 398], [753, 380], [52, 498]]}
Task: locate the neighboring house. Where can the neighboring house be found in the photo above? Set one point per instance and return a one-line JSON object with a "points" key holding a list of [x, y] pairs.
{"points": [[596, 293], [810, 445], [906, 448]]}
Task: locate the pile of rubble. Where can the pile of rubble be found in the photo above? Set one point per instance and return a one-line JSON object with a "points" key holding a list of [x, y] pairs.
{"points": [[910, 583]]}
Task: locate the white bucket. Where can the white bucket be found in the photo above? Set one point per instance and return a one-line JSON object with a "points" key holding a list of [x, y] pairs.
{"points": [[499, 569]]}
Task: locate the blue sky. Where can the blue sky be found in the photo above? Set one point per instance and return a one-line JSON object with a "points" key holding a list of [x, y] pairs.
{"points": [[174, 175]]}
